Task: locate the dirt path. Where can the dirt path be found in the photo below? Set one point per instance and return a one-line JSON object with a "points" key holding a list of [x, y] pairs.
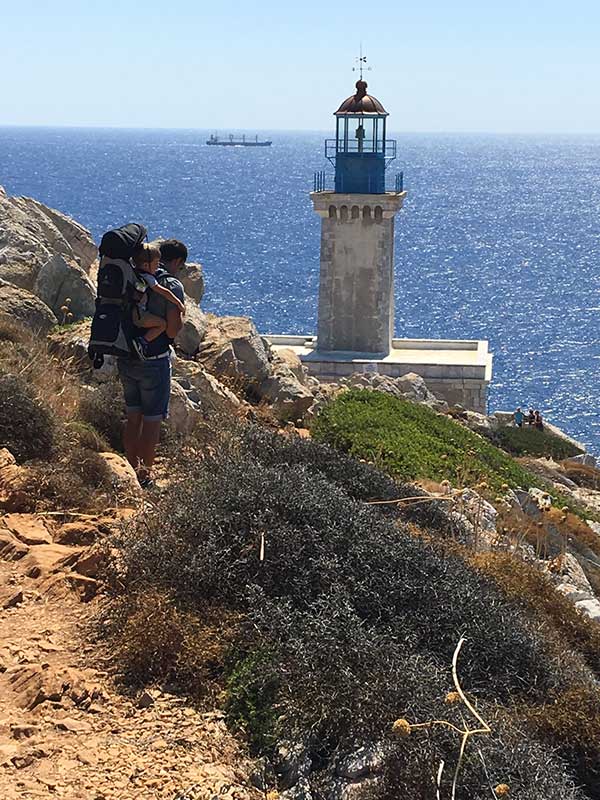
{"points": [[64, 729]]}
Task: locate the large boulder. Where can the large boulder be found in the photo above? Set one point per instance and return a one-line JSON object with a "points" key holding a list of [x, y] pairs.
{"points": [[190, 337], [232, 348], [122, 476], [289, 399], [204, 389], [192, 279], [22, 306], [184, 413], [291, 360], [62, 284], [31, 233]]}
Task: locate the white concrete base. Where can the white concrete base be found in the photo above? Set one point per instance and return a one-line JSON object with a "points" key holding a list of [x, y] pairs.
{"points": [[455, 371]]}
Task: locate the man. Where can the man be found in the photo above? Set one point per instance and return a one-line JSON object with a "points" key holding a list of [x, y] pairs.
{"points": [[519, 417], [147, 383]]}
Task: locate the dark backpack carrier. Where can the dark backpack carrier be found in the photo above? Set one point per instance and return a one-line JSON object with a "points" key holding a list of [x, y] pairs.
{"points": [[112, 325]]}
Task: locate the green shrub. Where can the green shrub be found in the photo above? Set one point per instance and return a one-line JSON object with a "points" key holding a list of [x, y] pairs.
{"points": [[411, 441], [529, 441], [252, 685], [349, 620], [27, 426], [85, 435]]}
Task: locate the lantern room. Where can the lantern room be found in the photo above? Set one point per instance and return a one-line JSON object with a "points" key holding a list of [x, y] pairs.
{"points": [[360, 152]]}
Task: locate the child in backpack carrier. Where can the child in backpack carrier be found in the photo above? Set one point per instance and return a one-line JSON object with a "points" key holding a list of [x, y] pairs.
{"points": [[146, 263]]}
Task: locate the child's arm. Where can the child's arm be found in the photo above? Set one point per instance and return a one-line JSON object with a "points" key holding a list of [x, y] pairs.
{"points": [[155, 286], [168, 295]]}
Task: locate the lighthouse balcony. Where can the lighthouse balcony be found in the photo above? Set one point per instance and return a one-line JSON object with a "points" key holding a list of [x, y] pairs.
{"points": [[382, 184]]}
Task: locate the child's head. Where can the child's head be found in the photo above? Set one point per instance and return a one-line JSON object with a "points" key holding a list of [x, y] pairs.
{"points": [[147, 258]]}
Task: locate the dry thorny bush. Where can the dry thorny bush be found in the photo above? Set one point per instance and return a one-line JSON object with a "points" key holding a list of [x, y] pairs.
{"points": [[345, 620]]}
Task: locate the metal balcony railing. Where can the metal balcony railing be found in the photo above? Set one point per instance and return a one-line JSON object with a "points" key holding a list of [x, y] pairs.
{"points": [[324, 183]]}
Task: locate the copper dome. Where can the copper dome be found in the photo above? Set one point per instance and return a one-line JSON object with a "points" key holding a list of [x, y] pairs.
{"points": [[361, 103]]}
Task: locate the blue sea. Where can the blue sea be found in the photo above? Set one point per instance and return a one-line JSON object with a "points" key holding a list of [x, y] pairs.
{"points": [[499, 237]]}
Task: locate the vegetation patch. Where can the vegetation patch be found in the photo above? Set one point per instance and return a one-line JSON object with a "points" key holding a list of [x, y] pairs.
{"points": [[27, 425], [529, 441], [411, 441], [345, 620]]}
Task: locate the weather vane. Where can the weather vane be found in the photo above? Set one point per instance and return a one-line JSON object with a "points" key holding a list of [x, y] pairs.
{"points": [[361, 64]]}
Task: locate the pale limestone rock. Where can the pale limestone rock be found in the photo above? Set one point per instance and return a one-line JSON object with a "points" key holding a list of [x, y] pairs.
{"points": [[590, 607], [288, 358], [122, 475], [290, 400], [61, 284], [233, 348], [31, 233], [585, 458], [190, 337], [19, 305], [192, 278], [204, 388], [183, 413]]}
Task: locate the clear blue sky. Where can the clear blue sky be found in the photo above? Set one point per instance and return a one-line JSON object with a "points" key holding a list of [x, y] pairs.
{"points": [[510, 66]]}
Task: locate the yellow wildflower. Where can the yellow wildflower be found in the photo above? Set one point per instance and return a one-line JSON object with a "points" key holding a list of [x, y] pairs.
{"points": [[401, 728]]}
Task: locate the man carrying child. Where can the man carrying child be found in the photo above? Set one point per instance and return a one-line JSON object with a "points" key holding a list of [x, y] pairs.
{"points": [[147, 381]]}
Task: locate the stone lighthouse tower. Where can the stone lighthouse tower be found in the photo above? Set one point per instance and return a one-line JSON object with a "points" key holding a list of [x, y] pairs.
{"points": [[356, 289], [355, 317]]}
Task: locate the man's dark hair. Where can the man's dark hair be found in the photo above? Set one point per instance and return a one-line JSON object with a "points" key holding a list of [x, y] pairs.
{"points": [[171, 249]]}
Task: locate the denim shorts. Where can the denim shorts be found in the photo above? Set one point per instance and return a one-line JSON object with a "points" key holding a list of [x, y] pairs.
{"points": [[147, 386]]}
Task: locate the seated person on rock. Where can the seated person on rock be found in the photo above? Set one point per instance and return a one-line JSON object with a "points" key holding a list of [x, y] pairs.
{"points": [[146, 263]]}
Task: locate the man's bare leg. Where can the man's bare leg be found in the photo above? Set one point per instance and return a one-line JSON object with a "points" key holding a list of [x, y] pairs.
{"points": [[131, 437], [148, 440]]}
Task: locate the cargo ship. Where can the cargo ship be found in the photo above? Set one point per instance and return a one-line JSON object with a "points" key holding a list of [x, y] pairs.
{"points": [[231, 141]]}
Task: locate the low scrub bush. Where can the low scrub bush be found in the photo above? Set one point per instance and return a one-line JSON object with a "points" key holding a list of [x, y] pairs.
{"points": [[76, 479], [529, 441], [535, 593], [570, 724], [27, 426], [47, 376], [345, 620], [159, 642], [82, 434], [103, 409]]}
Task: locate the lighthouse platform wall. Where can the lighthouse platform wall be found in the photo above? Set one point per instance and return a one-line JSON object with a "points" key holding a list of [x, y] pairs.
{"points": [[455, 371]]}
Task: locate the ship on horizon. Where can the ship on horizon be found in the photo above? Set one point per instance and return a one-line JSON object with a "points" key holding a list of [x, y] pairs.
{"points": [[231, 141]]}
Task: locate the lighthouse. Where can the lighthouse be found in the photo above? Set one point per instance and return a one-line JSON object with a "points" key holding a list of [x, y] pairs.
{"points": [[356, 286], [355, 313]]}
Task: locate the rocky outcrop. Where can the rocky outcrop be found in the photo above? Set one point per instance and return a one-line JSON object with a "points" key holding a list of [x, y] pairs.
{"points": [[32, 233], [184, 413], [190, 337], [63, 285], [232, 348], [289, 399], [288, 358], [122, 476], [192, 278], [22, 306], [204, 389]]}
